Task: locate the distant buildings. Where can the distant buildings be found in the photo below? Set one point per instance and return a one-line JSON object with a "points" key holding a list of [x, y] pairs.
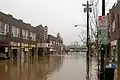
{"points": [[55, 44], [19, 39]]}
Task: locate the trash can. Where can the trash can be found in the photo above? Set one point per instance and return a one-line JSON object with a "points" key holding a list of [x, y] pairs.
{"points": [[109, 73]]}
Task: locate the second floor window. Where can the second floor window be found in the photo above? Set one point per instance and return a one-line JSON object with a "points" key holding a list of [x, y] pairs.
{"points": [[4, 28], [24, 34], [15, 31], [33, 36]]}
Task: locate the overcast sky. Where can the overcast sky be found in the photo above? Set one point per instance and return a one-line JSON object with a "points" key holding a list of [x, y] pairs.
{"points": [[58, 15]]}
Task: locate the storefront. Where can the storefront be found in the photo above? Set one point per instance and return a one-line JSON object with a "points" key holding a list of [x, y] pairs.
{"points": [[22, 50], [14, 49], [4, 49]]}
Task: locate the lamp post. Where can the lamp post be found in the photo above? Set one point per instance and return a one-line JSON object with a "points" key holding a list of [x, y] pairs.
{"points": [[87, 55]]}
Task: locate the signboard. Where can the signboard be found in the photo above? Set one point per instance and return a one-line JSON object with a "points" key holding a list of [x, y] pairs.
{"points": [[42, 44], [103, 30], [14, 44], [45, 33], [102, 35], [103, 21]]}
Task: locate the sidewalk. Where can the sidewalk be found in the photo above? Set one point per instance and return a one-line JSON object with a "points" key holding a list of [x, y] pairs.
{"points": [[93, 70]]}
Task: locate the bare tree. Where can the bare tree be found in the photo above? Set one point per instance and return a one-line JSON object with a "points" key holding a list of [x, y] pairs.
{"points": [[93, 27]]}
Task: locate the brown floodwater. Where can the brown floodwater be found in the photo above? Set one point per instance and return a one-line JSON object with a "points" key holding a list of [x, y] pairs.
{"points": [[53, 67]]}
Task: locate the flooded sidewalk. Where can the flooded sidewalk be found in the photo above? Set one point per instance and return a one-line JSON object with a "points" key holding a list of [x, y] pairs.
{"points": [[53, 67]]}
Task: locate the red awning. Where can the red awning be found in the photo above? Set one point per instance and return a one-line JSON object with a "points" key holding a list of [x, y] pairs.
{"points": [[4, 44]]}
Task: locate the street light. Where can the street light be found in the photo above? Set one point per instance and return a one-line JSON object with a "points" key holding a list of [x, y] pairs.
{"points": [[81, 25], [87, 55]]}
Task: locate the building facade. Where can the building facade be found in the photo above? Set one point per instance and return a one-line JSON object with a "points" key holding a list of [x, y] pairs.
{"points": [[114, 34], [18, 39], [55, 45], [113, 31]]}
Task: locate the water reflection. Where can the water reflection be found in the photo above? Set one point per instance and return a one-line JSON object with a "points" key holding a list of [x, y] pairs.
{"points": [[73, 68], [30, 69]]}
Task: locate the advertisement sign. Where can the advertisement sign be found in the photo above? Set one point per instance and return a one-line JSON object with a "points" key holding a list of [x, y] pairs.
{"points": [[45, 33]]}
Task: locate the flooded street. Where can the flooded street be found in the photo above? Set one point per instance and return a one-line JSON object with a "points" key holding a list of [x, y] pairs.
{"points": [[53, 67]]}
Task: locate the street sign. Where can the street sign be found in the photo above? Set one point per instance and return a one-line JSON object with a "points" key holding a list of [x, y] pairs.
{"points": [[103, 37], [103, 30]]}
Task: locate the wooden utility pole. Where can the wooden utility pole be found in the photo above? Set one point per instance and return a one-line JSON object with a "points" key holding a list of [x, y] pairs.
{"points": [[87, 9], [87, 41]]}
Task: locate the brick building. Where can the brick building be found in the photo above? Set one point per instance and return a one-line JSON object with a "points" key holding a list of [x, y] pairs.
{"points": [[18, 38], [55, 44], [114, 34], [42, 39], [113, 31]]}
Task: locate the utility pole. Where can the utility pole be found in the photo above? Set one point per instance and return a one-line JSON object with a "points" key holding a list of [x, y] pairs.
{"points": [[87, 9], [103, 7], [103, 50]]}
